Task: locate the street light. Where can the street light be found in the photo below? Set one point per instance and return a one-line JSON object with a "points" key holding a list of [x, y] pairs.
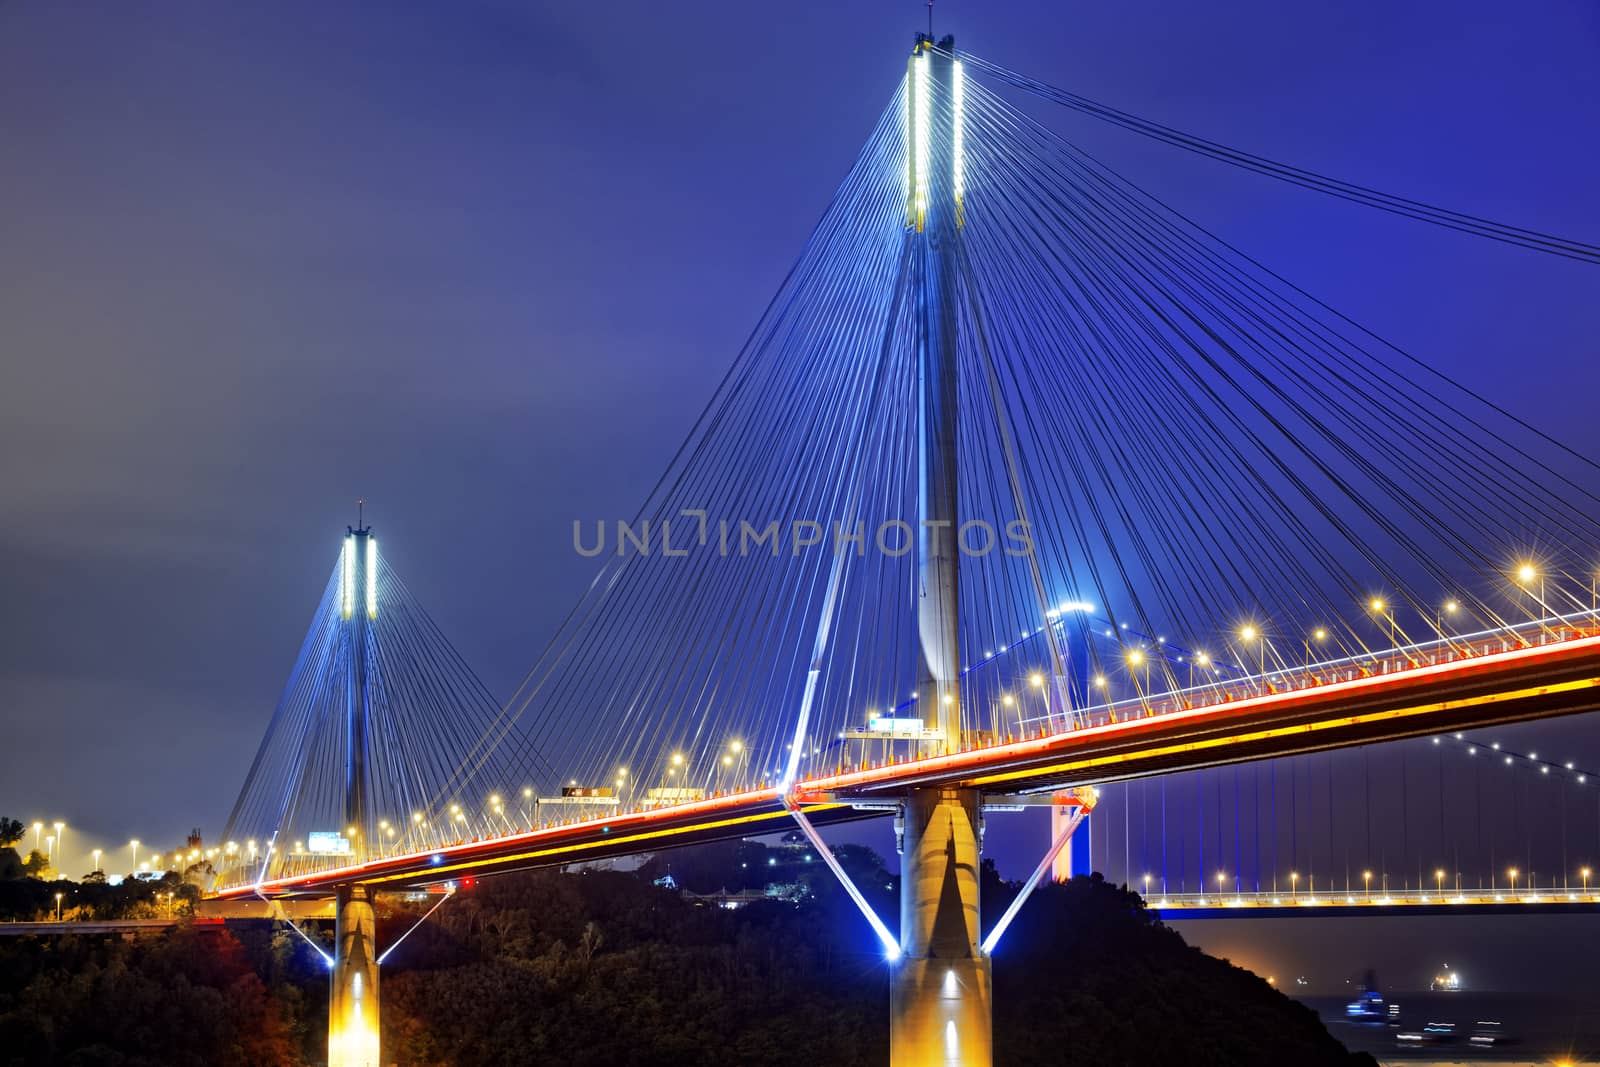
{"points": [[1513, 872], [58, 907], [38, 828], [1366, 877], [1584, 874], [1036, 679], [1137, 660], [1526, 573], [134, 845], [96, 853], [1250, 632], [1294, 883], [1438, 881], [1451, 607], [61, 841], [1318, 635], [1381, 609]]}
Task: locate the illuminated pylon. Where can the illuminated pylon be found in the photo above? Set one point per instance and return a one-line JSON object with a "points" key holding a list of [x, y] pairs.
{"points": [[353, 990], [941, 990], [358, 608]]}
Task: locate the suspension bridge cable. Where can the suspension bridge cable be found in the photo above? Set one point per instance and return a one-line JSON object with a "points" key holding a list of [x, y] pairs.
{"points": [[1345, 190]]}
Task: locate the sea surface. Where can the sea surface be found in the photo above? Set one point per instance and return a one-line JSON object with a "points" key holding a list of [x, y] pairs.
{"points": [[1539, 1028]]}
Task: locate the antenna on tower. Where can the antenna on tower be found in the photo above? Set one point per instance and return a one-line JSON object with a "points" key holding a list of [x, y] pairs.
{"points": [[930, 20], [361, 508]]}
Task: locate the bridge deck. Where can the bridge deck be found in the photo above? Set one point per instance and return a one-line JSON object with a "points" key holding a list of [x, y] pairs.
{"points": [[1473, 687]]}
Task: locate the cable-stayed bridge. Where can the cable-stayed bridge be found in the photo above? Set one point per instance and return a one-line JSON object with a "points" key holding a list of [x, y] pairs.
{"points": [[1024, 485]]}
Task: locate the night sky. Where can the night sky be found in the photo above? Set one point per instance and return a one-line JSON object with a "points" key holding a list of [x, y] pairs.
{"points": [[482, 264]]}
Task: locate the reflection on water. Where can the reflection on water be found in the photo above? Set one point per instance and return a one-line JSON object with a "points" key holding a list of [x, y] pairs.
{"points": [[1472, 1028]]}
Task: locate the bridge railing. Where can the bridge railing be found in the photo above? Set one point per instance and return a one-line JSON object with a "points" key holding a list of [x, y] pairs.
{"points": [[1453, 648], [1448, 648], [1376, 899]]}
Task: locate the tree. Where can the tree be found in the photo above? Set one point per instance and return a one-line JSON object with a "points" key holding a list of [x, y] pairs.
{"points": [[11, 832], [36, 865]]}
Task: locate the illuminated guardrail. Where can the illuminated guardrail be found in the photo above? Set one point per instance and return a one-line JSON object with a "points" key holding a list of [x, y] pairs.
{"points": [[1449, 650], [1357, 899]]}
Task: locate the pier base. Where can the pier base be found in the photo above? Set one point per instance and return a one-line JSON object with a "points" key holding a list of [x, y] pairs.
{"points": [[353, 999], [941, 990]]}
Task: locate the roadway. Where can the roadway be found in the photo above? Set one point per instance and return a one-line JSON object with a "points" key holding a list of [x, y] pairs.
{"points": [[1450, 686]]}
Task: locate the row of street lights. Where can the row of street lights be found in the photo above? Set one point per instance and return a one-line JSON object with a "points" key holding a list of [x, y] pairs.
{"points": [[1252, 633], [53, 848], [674, 773], [1439, 875]]}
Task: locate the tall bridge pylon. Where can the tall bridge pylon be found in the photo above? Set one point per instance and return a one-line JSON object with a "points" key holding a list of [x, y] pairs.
{"points": [[378, 727], [353, 1024], [941, 985]]}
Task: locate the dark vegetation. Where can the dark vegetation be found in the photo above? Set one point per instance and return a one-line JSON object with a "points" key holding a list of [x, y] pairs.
{"points": [[606, 968]]}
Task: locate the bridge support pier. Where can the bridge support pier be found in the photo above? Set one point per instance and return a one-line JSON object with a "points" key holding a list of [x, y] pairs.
{"points": [[353, 998], [1074, 859], [941, 988]]}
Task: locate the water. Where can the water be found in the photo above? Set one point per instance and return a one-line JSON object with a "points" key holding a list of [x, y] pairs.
{"points": [[1542, 1028]]}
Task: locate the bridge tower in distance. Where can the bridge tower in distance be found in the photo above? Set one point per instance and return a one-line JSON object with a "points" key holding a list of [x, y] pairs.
{"points": [[353, 994], [941, 985]]}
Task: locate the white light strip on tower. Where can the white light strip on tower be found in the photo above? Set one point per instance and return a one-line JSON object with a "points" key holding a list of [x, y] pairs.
{"points": [[911, 149], [958, 87], [347, 581], [372, 577], [920, 128]]}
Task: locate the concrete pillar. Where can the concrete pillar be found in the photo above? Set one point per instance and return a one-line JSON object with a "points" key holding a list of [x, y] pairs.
{"points": [[1074, 859], [353, 999], [935, 212], [941, 988], [359, 607]]}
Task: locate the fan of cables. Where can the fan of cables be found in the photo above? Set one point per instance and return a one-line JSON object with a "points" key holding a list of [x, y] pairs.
{"points": [[1170, 460]]}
